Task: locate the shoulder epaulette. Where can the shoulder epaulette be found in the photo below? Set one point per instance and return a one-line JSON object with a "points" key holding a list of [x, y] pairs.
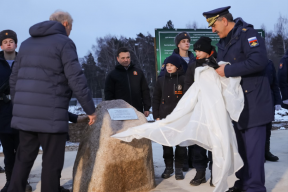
{"points": [[244, 29]]}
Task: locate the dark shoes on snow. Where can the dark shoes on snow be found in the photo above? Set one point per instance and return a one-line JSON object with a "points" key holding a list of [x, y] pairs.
{"points": [[199, 178], [268, 155], [62, 189], [167, 172], [235, 189], [179, 174]]}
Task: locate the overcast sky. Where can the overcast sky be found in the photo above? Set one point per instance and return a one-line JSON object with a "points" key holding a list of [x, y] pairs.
{"points": [[95, 18]]}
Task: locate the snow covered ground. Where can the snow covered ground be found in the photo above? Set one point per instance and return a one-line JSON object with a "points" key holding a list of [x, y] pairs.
{"points": [[280, 116]]}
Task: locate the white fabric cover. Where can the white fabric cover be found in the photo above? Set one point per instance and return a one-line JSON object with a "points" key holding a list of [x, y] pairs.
{"points": [[203, 117]]}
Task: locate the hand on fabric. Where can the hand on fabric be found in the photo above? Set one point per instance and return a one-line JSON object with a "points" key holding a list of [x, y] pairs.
{"points": [[277, 107], [146, 113], [82, 118], [220, 70], [92, 118], [285, 101], [157, 119]]}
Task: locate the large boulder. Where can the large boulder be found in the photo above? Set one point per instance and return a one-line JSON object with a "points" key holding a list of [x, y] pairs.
{"points": [[106, 164]]}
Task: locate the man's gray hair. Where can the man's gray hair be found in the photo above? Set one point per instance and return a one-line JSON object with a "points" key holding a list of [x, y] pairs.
{"points": [[61, 16]]}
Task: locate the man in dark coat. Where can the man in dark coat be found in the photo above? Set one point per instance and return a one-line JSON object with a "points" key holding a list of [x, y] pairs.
{"points": [[276, 98], [9, 137], [45, 73], [242, 46], [128, 82], [182, 42], [283, 79]]}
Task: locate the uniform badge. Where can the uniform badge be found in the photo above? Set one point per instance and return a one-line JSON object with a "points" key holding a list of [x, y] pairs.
{"points": [[244, 29], [135, 73], [6, 34], [253, 42], [162, 66], [281, 65], [179, 87]]}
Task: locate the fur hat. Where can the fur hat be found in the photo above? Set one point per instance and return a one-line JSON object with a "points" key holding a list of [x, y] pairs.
{"points": [[5, 34], [180, 36]]}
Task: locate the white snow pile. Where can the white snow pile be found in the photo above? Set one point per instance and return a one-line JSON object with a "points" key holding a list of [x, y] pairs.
{"points": [[281, 115]]}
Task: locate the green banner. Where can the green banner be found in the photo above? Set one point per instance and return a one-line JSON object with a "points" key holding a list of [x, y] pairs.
{"points": [[164, 39]]}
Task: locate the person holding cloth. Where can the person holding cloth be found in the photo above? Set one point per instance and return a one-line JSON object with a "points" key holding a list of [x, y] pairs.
{"points": [[168, 91], [205, 55]]}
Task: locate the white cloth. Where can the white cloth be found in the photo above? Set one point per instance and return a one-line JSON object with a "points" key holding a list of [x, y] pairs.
{"points": [[203, 117], [285, 101]]}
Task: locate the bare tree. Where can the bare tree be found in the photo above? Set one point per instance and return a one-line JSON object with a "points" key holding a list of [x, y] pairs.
{"points": [[169, 25], [281, 29], [192, 25]]}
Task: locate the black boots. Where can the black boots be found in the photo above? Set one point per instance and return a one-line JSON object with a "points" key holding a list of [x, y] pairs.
{"points": [[268, 155], [199, 178], [2, 170], [167, 172], [234, 189], [28, 187], [62, 189], [179, 174]]}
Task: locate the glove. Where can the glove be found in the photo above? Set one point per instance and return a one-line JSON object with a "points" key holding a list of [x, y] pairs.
{"points": [[278, 107], [212, 62], [285, 101]]}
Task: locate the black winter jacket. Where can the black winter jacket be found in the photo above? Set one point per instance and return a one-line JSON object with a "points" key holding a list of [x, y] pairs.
{"points": [[129, 85], [45, 73], [190, 73], [5, 108], [167, 94]]}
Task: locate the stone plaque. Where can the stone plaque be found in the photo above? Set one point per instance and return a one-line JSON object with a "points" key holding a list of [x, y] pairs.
{"points": [[122, 114]]}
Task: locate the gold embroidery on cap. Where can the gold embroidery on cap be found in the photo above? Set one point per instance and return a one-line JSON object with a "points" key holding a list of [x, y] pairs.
{"points": [[212, 20]]}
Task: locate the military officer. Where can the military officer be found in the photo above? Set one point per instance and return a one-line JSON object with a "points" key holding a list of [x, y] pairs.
{"points": [[283, 79], [9, 137], [242, 46], [276, 98]]}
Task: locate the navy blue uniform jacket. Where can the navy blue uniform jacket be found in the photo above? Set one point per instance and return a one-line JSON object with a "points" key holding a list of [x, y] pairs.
{"points": [[271, 75], [5, 108], [283, 76], [249, 62]]}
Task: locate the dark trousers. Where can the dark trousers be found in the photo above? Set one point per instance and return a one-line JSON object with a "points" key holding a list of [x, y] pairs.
{"points": [[10, 144], [200, 160], [251, 146], [180, 153], [53, 145], [268, 131]]}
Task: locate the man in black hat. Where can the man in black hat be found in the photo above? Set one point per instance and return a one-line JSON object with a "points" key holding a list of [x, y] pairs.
{"points": [[242, 46], [182, 42], [9, 137]]}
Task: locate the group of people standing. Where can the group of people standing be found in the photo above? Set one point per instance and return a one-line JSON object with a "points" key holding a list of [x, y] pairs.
{"points": [[46, 71]]}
